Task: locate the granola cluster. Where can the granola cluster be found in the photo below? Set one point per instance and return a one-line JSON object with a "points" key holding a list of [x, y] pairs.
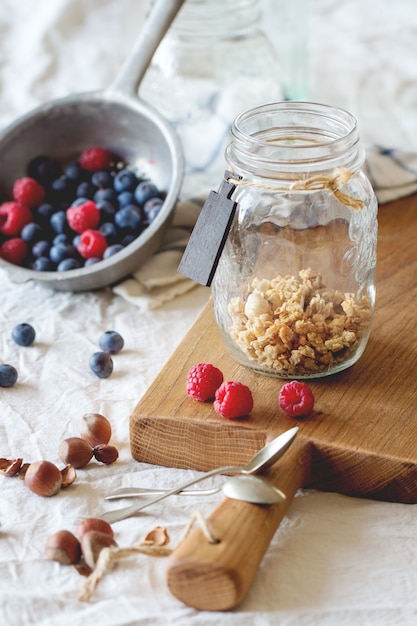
{"points": [[295, 325]]}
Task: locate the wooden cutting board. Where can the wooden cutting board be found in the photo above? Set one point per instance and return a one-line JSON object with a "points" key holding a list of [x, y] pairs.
{"points": [[361, 439]]}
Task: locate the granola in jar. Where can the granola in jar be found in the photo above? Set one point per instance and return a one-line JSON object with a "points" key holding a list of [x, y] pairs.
{"points": [[296, 325]]}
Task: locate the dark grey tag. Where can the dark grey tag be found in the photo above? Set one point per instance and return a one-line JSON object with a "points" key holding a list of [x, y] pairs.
{"points": [[202, 254]]}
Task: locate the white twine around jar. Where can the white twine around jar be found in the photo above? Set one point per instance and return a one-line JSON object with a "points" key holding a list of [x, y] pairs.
{"points": [[334, 183]]}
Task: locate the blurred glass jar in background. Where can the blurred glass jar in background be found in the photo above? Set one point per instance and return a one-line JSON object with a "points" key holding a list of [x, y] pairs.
{"points": [[214, 62]]}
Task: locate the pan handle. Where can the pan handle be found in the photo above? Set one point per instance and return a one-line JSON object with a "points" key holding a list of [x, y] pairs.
{"points": [[216, 576], [156, 25]]}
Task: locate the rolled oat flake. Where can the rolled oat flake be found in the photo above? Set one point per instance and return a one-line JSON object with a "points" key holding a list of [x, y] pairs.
{"points": [[293, 288]]}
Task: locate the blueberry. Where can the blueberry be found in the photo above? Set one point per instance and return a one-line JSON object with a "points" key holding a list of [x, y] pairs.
{"points": [[68, 264], [59, 222], [125, 198], [111, 341], [62, 189], [144, 191], [151, 208], [86, 190], [111, 250], [125, 180], [8, 375], [109, 230], [102, 179], [32, 232], [107, 210], [79, 201], [44, 212], [91, 261], [43, 264], [44, 169], [60, 238], [128, 238], [129, 217], [23, 334], [101, 364], [105, 195], [61, 251], [75, 172], [41, 248]]}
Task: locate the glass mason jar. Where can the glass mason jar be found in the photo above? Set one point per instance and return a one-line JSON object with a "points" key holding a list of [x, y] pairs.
{"points": [[214, 62], [294, 289]]}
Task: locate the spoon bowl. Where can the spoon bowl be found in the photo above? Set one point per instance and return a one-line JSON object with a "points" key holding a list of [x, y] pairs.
{"points": [[254, 489], [119, 120], [263, 459]]}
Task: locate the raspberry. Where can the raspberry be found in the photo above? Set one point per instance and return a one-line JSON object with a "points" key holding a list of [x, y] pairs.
{"points": [[13, 217], [233, 399], [28, 191], [95, 159], [83, 216], [202, 381], [296, 399], [92, 244], [14, 250]]}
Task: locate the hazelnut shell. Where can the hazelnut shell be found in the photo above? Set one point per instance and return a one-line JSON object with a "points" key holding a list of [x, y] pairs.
{"points": [[106, 454], [92, 544]]}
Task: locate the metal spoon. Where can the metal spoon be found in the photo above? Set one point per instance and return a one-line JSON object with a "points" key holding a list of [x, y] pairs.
{"points": [[246, 488], [262, 460], [115, 118], [240, 485]]}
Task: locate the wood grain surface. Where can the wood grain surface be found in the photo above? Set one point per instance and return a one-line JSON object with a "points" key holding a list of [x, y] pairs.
{"points": [[360, 440]]}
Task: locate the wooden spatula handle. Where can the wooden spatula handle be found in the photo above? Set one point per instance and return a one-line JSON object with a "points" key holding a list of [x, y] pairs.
{"points": [[216, 576]]}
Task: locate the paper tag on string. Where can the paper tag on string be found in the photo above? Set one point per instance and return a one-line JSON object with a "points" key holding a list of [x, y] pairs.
{"points": [[205, 246]]}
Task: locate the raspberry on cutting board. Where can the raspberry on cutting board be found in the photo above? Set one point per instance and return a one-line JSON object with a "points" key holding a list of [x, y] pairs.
{"points": [[296, 399], [233, 399], [202, 381]]}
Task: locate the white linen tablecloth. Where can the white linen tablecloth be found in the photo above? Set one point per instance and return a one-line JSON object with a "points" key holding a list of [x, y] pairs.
{"points": [[335, 560]]}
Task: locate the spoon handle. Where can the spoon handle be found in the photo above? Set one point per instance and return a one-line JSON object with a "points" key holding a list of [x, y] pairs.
{"points": [[216, 576], [127, 492], [156, 25], [128, 511]]}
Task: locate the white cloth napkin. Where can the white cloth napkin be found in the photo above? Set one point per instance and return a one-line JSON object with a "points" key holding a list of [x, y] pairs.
{"points": [[393, 174]]}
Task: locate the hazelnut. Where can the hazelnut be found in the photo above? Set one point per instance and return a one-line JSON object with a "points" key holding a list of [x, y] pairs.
{"points": [[93, 523], [75, 451], [63, 547], [43, 478], [106, 454], [95, 428], [92, 544]]}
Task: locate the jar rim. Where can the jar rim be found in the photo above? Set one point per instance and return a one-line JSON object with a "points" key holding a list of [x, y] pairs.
{"points": [[293, 136]]}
